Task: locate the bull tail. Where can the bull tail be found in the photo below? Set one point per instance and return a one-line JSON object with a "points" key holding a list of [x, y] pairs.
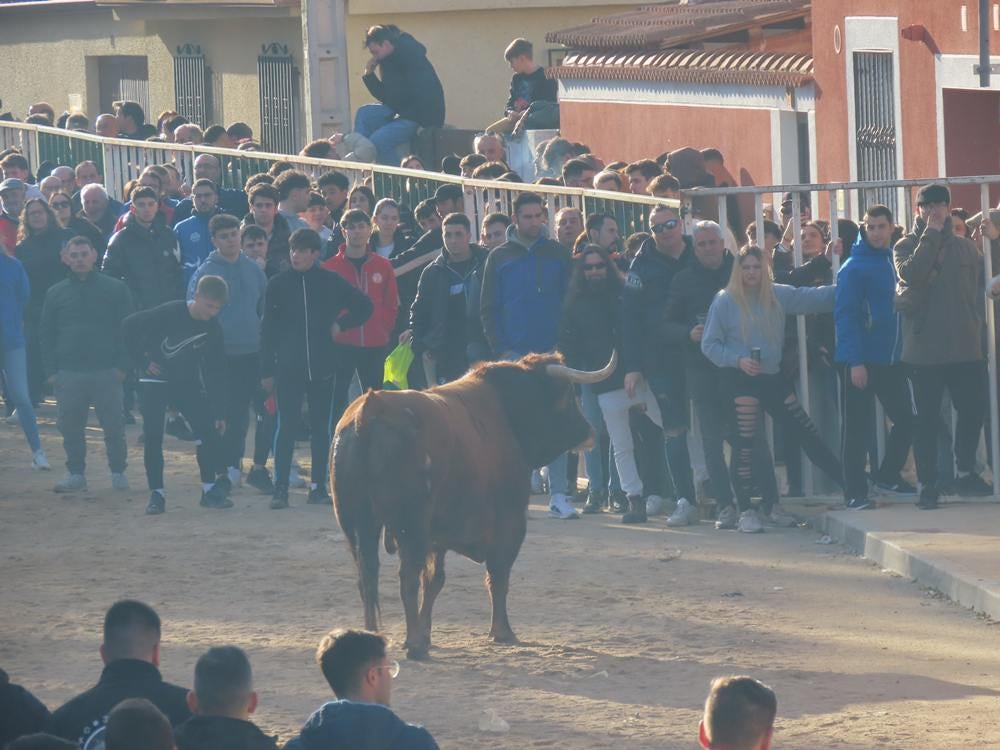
{"points": [[353, 502]]}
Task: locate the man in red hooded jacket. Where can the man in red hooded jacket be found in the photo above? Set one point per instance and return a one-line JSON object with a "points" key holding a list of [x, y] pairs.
{"points": [[362, 349]]}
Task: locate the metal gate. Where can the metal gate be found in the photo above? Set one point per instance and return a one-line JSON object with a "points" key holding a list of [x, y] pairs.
{"points": [[875, 125], [279, 100], [192, 85]]}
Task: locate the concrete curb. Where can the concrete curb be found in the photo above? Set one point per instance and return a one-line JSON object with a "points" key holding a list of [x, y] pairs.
{"points": [[961, 586]]}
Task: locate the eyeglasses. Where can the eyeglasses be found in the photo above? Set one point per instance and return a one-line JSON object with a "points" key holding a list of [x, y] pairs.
{"points": [[665, 226], [60, 204], [393, 668], [594, 266]]}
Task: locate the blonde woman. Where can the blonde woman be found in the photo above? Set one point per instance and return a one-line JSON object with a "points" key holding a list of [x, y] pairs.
{"points": [[744, 335]]}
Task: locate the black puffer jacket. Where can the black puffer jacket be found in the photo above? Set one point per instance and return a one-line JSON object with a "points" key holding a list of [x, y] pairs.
{"points": [[691, 294], [148, 260], [589, 330], [409, 84], [221, 733]]}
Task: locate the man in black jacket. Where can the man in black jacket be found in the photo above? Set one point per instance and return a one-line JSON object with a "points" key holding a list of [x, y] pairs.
{"points": [[86, 361], [304, 308], [178, 349], [440, 314], [131, 655], [222, 701], [409, 90]]}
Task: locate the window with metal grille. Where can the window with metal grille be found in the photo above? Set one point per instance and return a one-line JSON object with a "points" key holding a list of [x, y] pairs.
{"points": [[192, 85], [875, 124], [278, 80]]}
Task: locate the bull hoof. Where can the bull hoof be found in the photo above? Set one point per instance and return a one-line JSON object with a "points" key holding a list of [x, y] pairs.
{"points": [[417, 653], [508, 638]]}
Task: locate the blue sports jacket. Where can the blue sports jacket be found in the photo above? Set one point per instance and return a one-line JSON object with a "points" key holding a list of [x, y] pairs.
{"points": [[868, 329], [195, 241]]}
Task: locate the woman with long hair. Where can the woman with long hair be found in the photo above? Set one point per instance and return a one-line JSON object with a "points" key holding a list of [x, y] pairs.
{"points": [[361, 197], [40, 240], [744, 335], [590, 329], [62, 206], [389, 238]]}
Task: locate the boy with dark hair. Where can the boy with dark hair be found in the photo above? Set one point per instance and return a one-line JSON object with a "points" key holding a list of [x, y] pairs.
{"points": [[264, 200], [222, 701], [739, 715], [494, 230], [363, 350], [179, 350], [305, 308], [21, 713], [293, 197], [355, 665], [193, 233], [131, 654], [640, 173], [240, 321], [136, 723], [772, 236], [532, 102]]}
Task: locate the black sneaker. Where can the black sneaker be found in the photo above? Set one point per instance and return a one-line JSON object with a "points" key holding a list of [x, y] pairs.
{"points": [[860, 503], [279, 499], [215, 498], [928, 499], [319, 496], [223, 484], [179, 429], [157, 504], [595, 502], [973, 485], [636, 512], [260, 479], [618, 502], [897, 486]]}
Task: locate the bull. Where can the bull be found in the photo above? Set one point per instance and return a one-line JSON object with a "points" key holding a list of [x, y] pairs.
{"points": [[450, 469]]}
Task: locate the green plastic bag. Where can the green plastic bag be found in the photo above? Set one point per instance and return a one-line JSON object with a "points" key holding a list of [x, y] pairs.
{"points": [[396, 365]]}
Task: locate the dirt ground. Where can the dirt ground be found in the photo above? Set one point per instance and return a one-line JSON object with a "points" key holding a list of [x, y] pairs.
{"points": [[622, 628]]}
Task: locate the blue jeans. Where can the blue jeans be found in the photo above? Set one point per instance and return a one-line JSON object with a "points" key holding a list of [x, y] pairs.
{"points": [[15, 374], [379, 124], [593, 458]]}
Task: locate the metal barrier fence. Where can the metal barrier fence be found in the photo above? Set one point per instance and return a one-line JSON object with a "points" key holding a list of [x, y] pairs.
{"points": [[121, 160], [841, 200]]}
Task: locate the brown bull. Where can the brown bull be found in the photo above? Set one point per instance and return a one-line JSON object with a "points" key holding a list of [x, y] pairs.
{"points": [[450, 469]]}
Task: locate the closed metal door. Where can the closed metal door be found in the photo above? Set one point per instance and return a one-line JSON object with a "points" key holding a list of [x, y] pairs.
{"points": [[279, 100], [875, 125], [123, 78], [192, 88]]}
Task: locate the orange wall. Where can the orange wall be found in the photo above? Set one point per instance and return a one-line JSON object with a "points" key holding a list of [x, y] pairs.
{"points": [[916, 61], [626, 132]]}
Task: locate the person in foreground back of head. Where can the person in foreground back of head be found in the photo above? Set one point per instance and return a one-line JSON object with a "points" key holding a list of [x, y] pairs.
{"points": [[40, 741], [739, 715], [222, 701], [355, 665], [131, 654], [136, 724], [21, 713]]}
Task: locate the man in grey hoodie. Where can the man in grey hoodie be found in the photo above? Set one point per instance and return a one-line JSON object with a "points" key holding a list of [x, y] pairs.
{"points": [[240, 321]]}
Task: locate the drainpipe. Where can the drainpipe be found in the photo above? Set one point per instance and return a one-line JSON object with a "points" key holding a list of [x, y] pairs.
{"points": [[984, 44]]}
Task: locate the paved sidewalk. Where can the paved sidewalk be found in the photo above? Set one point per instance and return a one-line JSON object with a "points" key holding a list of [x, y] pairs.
{"points": [[954, 550]]}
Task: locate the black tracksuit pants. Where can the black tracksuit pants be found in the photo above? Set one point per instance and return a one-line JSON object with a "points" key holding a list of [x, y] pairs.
{"points": [[189, 399], [290, 390], [367, 361], [242, 382]]}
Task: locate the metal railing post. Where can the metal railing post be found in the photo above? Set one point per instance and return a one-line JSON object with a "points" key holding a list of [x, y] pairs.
{"points": [[800, 330], [991, 344]]}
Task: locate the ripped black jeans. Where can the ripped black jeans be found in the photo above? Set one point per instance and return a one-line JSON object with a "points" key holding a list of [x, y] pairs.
{"points": [[774, 394]]}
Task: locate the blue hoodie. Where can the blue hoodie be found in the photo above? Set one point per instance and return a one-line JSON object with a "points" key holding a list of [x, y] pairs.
{"points": [[866, 319], [346, 725], [240, 317], [14, 292]]}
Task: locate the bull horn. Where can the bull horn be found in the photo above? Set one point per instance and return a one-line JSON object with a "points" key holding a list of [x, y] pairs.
{"points": [[583, 376]]}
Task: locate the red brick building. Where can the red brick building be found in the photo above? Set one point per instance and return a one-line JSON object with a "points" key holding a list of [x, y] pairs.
{"points": [[789, 90]]}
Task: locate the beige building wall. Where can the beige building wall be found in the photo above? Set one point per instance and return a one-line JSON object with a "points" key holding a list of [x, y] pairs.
{"points": [[57, 62], [465, 40]]}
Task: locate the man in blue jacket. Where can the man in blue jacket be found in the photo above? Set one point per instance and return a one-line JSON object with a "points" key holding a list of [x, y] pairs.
{"points": [[409, 90], [193, 235], [869, 347], [355, 665], [524, 282]]}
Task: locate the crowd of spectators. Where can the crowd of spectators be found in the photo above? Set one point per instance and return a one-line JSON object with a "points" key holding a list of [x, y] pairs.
{"points": [[131, 706]]}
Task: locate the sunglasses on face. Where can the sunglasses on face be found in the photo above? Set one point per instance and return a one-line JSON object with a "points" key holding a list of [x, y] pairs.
{"points": [[665, 226], [594, 266], [61, 204]]}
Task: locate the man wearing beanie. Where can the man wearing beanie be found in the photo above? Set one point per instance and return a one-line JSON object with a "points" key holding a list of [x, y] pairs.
{"points": [[940, 296]]}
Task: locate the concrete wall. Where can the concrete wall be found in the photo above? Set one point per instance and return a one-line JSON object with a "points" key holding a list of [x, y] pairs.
{"points": [[45, 60], [917, 80], [466, 47]]}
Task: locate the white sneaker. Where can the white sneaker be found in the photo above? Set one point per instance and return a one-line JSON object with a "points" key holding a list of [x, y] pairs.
{"points": [[13, 418], [72, 483], [560, 507], [235, 476], [778, 517], [39, 461], [119, 482], [654, 505], [750, 522], [728, 518], [684, 514], [537, 485]]}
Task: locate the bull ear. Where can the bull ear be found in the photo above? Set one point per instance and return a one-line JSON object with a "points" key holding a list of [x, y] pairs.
{"points": [[563, 372]]}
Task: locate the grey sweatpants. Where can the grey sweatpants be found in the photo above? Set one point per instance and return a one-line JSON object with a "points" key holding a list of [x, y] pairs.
{"points": [[75, 392]]}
